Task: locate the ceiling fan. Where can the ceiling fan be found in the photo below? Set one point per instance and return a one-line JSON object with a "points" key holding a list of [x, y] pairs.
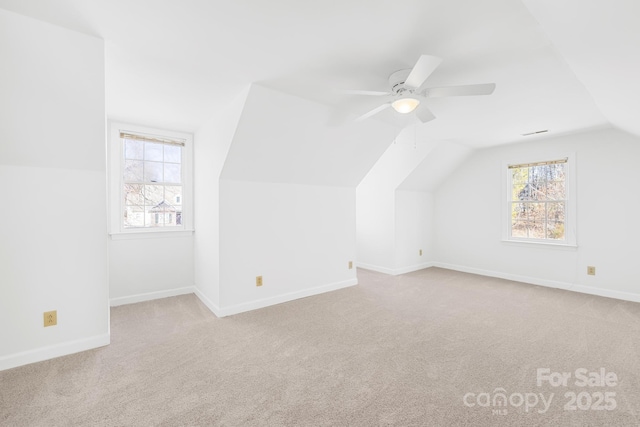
{"points": [[408, 91]]}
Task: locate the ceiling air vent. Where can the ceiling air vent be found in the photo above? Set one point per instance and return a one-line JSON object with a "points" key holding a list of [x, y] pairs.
{"points": [[536, 132]]}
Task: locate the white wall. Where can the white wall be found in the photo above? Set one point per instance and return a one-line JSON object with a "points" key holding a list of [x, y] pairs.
{"points": [[299, 238], [211, 145], [286, 202], [144, 267], [392, 228], [468, 217], [375, 228], [378, 214], [53, 228], [413, 230]]}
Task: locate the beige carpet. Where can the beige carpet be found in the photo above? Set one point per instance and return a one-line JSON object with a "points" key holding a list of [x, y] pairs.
{"points": [[402, 350]]}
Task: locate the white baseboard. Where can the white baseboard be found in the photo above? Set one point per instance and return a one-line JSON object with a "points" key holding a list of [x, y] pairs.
{"points": [[376, 268], [279, 299], [53, 351], [412, 268], [507, 276], [394, 271], [206, 301], [131, 299], [609, 293]]}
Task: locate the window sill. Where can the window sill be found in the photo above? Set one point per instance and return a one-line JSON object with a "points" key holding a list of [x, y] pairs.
{"points": [[146, 234], [525, 244]]}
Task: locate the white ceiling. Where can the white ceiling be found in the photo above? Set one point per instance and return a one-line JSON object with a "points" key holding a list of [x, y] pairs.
{"points": [[558, 65], [600, 41], [282, 138]]}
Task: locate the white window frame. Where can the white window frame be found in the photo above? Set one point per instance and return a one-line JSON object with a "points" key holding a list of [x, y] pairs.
{"points": [[570, 240], [115, 165]]}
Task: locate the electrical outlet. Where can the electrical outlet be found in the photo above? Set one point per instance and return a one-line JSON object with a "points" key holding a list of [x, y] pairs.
{"points": [[420, 252], [50, 318], [591, 270], [350, 265], [258, 280]]}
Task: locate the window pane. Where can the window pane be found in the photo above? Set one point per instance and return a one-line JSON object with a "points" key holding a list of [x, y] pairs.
{"points": [[173, 194], [536, 229], [555, 190], [152, 189], [555, 211], [536, 212], [133, 216], [527, 229], [152, 172], [162, 215], [154, 195], [518, 211], [542, 172], [526, 210], [555, 230], [537, 176], [528, 192], [172, 153], [520, 175], [540, 191], [132, 171], [517, 189], [153, 151], [154, 219], [556, 172], [519, 229], [538, 201], [133, 149], [528, 184], [172, 173], [134, 194]]}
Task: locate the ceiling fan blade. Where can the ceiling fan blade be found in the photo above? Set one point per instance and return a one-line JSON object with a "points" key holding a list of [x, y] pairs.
{"points": [[364, 92], [424, 114], [423, 69], [374, 111], [465, 90]]}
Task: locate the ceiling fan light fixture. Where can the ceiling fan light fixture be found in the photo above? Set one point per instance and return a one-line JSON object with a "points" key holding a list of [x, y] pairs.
{"points": [[405, 105]]}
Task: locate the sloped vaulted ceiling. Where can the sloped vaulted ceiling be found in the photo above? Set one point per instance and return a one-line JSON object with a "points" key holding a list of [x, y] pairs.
{"points": [[287, 139], [601, 43], [563, 65]]}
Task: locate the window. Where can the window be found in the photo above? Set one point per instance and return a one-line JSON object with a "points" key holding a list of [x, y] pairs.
{"points": [[150, 179], [540, 202]]}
